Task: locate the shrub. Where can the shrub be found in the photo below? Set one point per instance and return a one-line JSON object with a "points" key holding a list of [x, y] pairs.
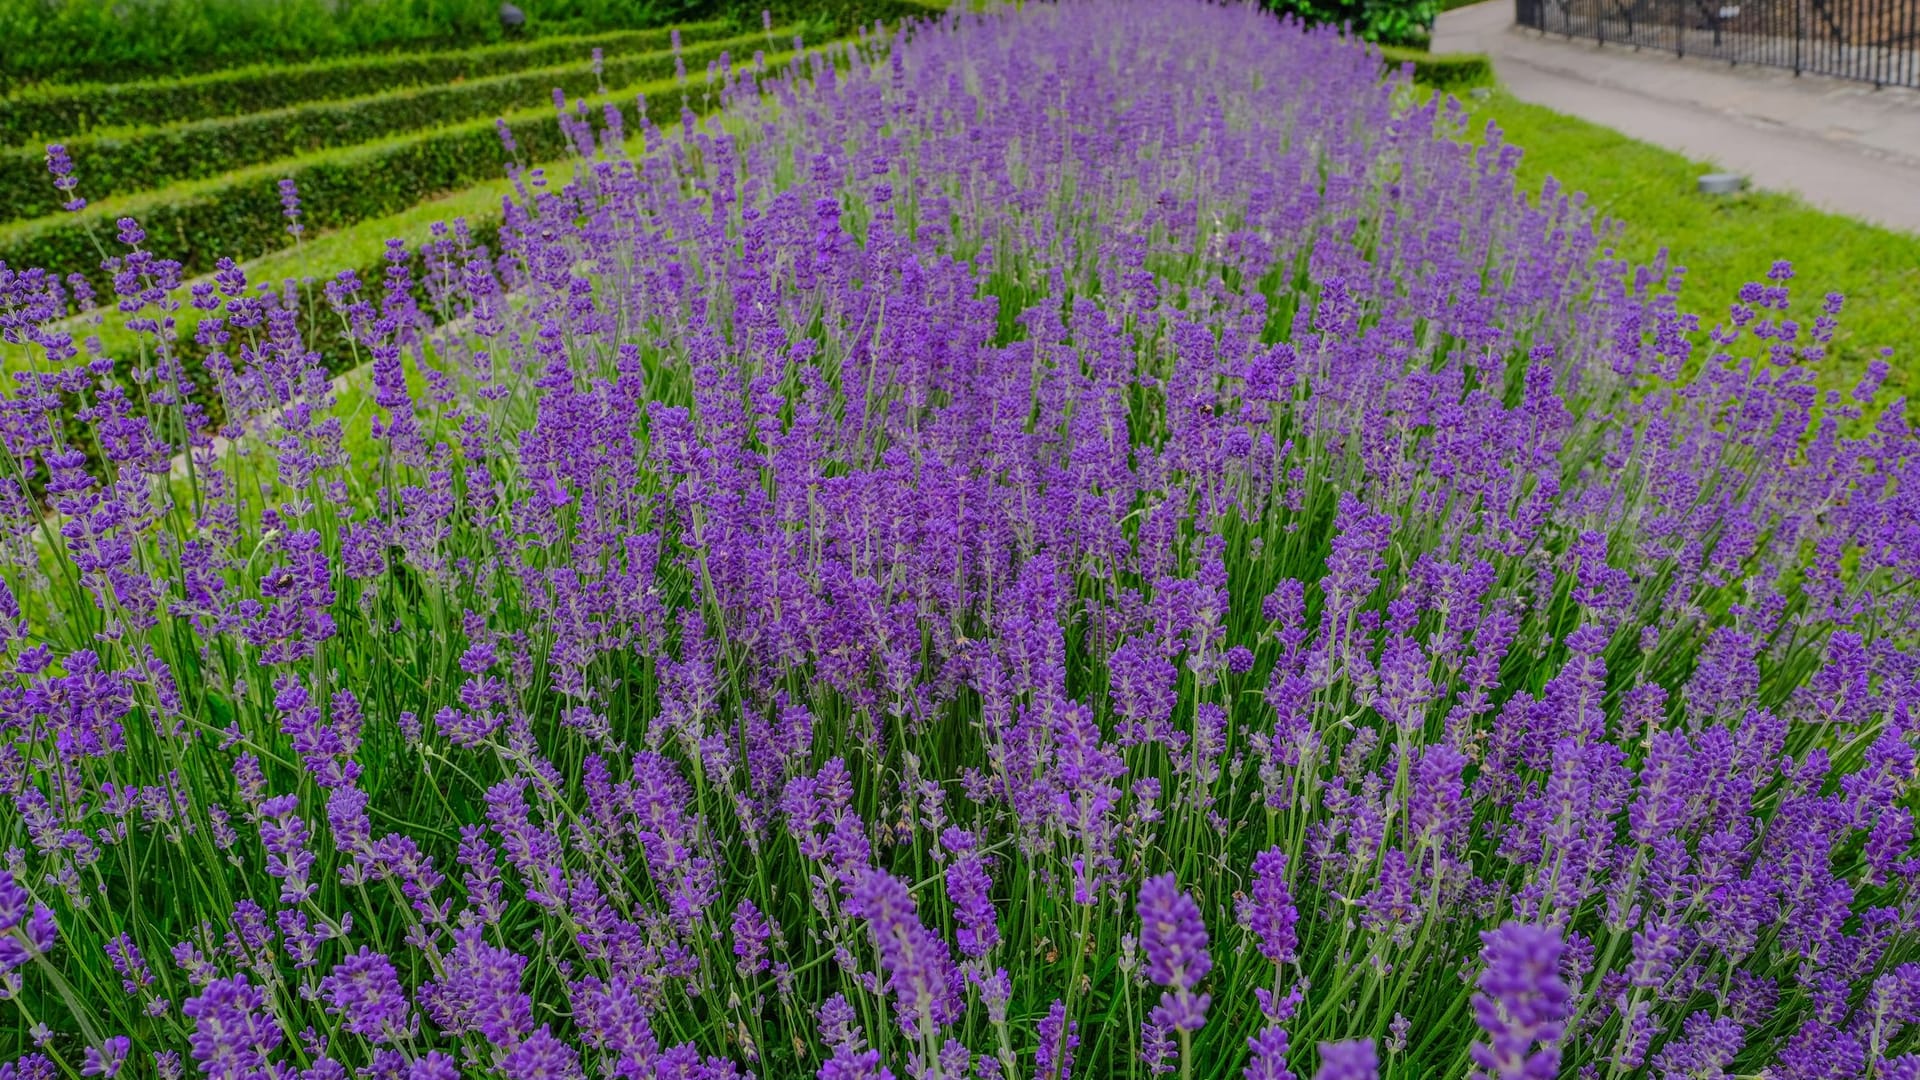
{"points": [[1443, 71], [1101, 542], [70, 40], [1387, 22], [50, 114], [114, 164], [109, 41]]}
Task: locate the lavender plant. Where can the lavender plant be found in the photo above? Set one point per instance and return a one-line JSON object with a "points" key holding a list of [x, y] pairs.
{"points": [[1100, 540]]}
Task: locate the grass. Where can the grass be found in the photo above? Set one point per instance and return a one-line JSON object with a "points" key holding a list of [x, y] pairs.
{"points": [[1726, 241]]}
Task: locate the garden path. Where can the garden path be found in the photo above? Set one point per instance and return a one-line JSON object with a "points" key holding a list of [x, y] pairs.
{"points": [[1842, 146]]}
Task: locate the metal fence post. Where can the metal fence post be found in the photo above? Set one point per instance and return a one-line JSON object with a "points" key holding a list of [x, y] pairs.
{"points": [[1799, 32]]}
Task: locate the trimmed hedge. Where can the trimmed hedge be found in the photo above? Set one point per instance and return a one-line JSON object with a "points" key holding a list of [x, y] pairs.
{"points": [[1442, 71], [111, 40], [62, 112], [109, 165], [837, 16], [239, 215]]}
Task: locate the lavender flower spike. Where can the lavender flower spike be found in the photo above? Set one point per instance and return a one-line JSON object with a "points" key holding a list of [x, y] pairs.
{"points": [[1522, 1003], [60, 166], [1353, 1059], [1174, 936]]}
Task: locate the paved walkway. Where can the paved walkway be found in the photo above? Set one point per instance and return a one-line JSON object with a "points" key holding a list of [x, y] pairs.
{"points": [[1842, 146]]}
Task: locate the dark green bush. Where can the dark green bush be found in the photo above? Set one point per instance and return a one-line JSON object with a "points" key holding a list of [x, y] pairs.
{"points": [[117, 164], [1443, 71], [115, 40], [835, 16], [61, 112], [121, 39], [1387, 22]]}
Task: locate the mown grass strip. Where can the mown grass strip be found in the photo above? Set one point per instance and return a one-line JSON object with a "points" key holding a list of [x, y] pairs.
{"points": [[238, 215], [121, 163], [51, 113], [1726, 241]]}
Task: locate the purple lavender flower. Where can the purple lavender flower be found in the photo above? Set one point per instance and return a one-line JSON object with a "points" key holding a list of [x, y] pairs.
{"points": [[1053, 1060], [1269, 1055], [970, 890], [1522, 1004], [284, 836], [365, 992], [542, 1056], [750, 935], [1268, 910], [106, 1059], [1175, 941], [290, 206], [919, 969], [27, 928], [234, 1034], [1353, 1059], [60, 167]]}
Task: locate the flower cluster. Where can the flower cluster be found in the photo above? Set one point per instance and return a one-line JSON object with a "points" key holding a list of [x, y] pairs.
{"points": [[1091, 540]]}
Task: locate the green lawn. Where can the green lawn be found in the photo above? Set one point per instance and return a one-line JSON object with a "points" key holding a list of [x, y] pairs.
{"points": [[1725, 241]]}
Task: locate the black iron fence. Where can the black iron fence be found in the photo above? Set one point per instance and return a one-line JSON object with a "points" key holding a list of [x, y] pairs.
{"points": [[1876, 41]]}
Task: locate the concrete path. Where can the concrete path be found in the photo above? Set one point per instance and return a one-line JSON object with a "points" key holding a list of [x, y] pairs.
{"points": [[1842, 146]]}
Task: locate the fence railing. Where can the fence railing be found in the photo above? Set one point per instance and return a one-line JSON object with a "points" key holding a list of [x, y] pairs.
{"points": [[1876, 41]]}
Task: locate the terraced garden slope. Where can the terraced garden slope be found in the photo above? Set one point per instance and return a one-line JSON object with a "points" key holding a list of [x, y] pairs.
{"points": [[350, 160], [359, 150]]}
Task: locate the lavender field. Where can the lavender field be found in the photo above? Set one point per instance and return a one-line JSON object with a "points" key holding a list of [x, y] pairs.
{"points": [[1095, 540]]}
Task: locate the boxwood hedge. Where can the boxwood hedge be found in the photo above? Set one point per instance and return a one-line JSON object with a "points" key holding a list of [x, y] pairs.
{"points": [[62, 112], [1443, 71], [239, 215], [111, 164]]}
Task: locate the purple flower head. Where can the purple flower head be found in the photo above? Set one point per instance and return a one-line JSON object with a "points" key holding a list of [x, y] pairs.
{"points": [[27, 927], [60, 166], [1172, 934], [971, 892], [750, 936], [364, 991], [1053, 1060], [106, 1059], [284, 836], [1522, 1004], [1353, 1059], [1268, 1060], [848, 1063], [542, 1056], [1268, 909], [290, 206], [234, 1032], [919, 969], [1174, 937]]}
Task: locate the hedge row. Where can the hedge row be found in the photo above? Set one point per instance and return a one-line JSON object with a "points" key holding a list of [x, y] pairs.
{"points": [[113, 40], [1442, 71], [840, 17], [62, 112], [110, 165], [240, 215]]}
